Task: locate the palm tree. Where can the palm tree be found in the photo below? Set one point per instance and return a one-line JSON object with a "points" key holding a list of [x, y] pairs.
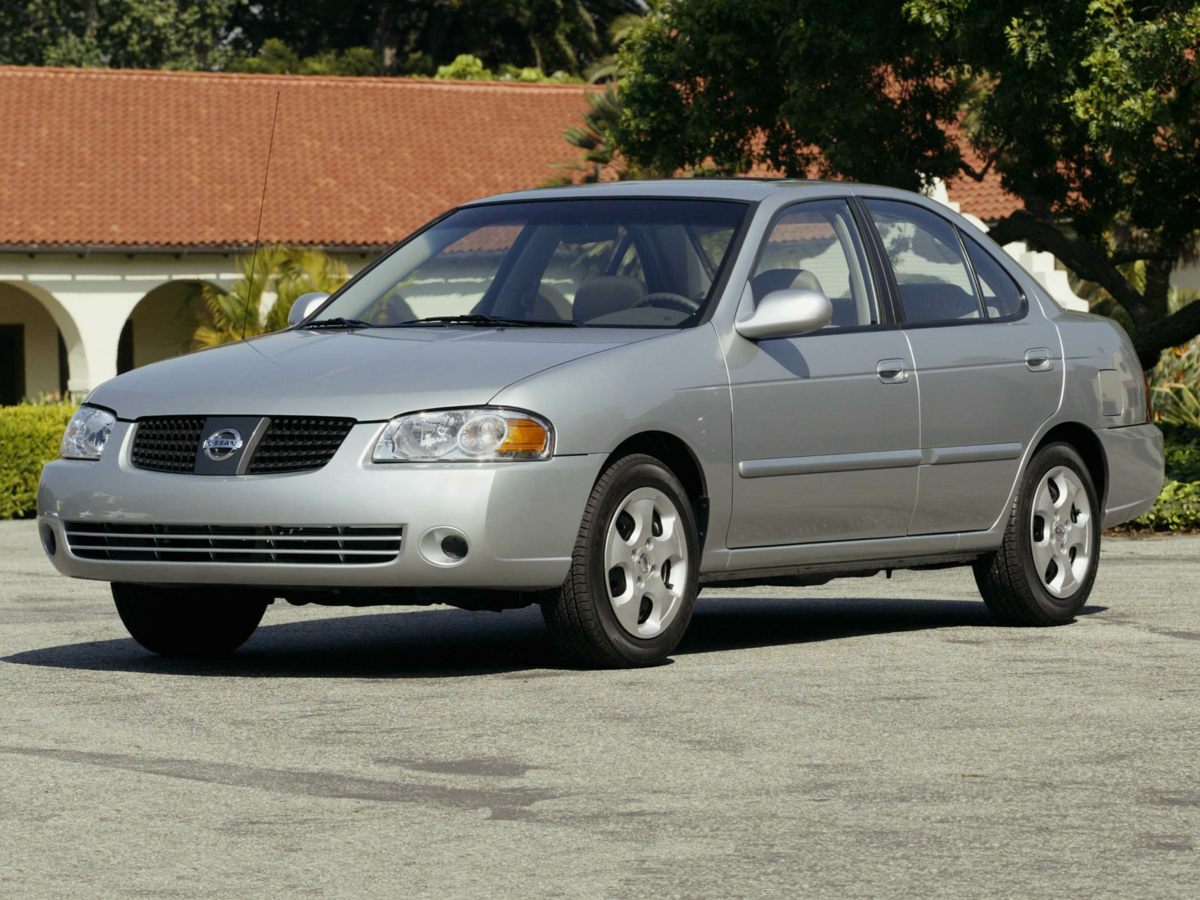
{"points": [[287, 272]]}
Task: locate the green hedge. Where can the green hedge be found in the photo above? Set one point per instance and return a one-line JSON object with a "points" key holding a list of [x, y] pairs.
{"points": [[1178, 506], [29, 438]]}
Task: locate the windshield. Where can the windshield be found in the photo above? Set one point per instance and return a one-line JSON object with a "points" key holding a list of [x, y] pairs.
{"points": [[644, 263]]}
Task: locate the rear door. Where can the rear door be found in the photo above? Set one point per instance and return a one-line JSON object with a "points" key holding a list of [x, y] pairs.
{"points": [[988, 366], [826, 439]]}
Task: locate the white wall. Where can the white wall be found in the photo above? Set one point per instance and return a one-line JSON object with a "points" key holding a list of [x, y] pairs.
{"points": [[90, 296], [18, 307]]}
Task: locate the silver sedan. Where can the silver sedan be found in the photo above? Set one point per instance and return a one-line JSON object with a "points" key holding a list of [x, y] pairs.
{"points": [[600, 399]]}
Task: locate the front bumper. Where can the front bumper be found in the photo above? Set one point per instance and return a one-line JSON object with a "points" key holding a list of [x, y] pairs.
{"points": [[1134, 454], [520, 520]]}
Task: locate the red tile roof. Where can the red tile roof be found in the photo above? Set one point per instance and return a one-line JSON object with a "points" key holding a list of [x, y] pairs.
{"points": [[109, 158], [985, 199], [101, 158]]}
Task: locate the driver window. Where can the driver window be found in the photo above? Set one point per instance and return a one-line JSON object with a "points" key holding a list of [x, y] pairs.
{"points": [[815, 246]]}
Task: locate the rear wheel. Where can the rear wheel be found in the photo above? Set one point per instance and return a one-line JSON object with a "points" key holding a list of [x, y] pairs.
{"points": [[629, 596], [189, 621], [1043, 572]]}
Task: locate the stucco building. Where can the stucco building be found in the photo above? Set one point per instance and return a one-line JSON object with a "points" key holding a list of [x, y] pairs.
{"points": [[123, 191]]}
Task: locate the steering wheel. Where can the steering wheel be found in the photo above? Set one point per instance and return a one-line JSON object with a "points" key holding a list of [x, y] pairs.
{"points": [[668, 300]]}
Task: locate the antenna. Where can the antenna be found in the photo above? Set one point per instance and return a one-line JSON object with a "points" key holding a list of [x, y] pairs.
{"points": [[258, 231]]}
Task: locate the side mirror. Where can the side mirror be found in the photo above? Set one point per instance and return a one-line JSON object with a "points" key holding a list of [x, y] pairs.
{"points": [[305, 306], [786, 313]]}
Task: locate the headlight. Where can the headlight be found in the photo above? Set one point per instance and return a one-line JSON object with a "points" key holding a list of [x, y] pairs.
{"points": [[87, 433], [470, 435]]}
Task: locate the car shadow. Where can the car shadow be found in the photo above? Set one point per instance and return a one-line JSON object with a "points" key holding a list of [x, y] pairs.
{"points": [[449, 642]]}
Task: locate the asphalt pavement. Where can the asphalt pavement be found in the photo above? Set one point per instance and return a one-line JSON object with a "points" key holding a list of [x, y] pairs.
{"points": [[866, 738]]}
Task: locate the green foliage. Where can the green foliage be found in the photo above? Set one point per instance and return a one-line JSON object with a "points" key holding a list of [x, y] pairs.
{"points": [[407, 37], [276, 58], [287, 272], [596, 136], [137, 34], [802, 87], [1089, 111], [467, 67], [1178, 505], [319, 37], [1177, 509], [1175, 386], [30, 436]]}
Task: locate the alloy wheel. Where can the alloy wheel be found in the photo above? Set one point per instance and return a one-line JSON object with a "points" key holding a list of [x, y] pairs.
{"points": [[1061, 532], [645, 562]]}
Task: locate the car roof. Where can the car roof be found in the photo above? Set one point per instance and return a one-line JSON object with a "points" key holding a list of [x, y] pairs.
{"points": [[745, 189]]}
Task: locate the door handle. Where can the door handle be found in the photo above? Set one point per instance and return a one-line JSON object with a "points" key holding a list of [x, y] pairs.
{"points": [[892, 371], [1038, 360]]}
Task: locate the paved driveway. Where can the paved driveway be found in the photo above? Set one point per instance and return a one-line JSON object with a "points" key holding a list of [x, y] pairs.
{"points": [[865, 738]]}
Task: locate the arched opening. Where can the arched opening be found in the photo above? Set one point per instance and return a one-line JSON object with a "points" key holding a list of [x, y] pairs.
{"points": [[35, 352], [161, 325]]}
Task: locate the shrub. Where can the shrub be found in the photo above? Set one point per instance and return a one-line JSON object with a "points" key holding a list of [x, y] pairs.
{"points": [[1178, 506], [1183, 454], [30, 436], [1176, 509], [1175, 386]]}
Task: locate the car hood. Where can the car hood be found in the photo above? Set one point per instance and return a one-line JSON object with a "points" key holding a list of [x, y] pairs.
{"points": [[368, 375]]}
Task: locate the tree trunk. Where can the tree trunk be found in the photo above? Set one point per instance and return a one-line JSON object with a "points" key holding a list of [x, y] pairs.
{"points": [[1151, 340], [1158, 285]]}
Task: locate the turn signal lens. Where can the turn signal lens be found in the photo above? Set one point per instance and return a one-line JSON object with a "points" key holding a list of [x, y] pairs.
{"points": [[464, 435], [526, 436]]}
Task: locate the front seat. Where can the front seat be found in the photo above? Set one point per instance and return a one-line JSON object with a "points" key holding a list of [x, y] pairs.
{"points": [[606, 294]]}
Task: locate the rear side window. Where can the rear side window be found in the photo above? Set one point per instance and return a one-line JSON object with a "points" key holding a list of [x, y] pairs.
{"points": [[1002, 297], [927, 259]]}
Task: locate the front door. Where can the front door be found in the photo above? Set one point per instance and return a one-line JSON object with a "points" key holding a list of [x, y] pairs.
{"points": [[826, 424], [990, 370]]}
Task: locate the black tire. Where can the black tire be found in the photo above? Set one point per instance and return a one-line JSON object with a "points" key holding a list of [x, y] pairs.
{"points": [[580, 616], [191, 622], [1012, 587]]}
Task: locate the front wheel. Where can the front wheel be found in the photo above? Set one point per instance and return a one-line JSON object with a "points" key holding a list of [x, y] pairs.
{"points": [[629, 596], [1043, 572], [192, 622]]}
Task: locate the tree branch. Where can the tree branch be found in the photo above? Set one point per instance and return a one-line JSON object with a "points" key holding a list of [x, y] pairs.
{"points": [[976, 174], [1085, 259]]}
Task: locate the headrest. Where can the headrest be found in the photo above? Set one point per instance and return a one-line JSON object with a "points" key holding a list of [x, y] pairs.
{"points": [[806, 281], [782, 280]]}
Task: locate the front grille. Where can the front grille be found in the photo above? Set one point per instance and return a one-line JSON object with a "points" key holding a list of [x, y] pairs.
{"points": [[167, 443], [293, 444], [289, 444], [288, 544]]}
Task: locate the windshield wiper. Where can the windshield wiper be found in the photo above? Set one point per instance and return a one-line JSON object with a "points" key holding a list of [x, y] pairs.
{"points": [[485, 322], [338, 322]]}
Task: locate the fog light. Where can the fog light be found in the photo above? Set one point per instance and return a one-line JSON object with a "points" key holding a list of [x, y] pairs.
{"points": [[49, 541], [443, 546], [454, 546]]}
